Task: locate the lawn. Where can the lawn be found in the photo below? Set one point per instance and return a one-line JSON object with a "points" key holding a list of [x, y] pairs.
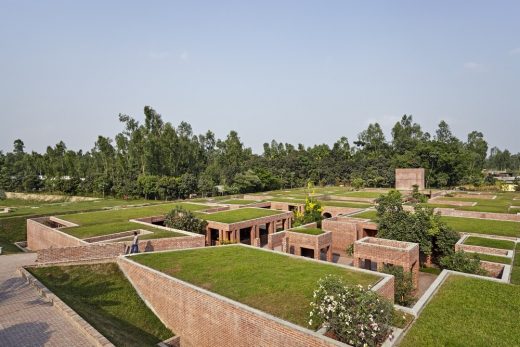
{"points": [[362, 194], [113, 221], [469, 312], [483, 226], [493, 243], [13, 224], [494, 258], [101, 295], [501, 204], [271, 282], [310, 231], [371, 214], [238, 215], [238, 202], [515, 271]]}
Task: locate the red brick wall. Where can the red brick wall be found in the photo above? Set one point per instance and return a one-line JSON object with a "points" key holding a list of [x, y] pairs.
{"points": [[405, 179], [473, 214], [344, 233], [40, 236], [493, 269], [204, 319], [275, 240], [387, 255], [386, 288], [111, 250], [480, 249], [337, 210]]}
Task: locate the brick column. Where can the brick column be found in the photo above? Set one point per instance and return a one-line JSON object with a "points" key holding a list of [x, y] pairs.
{"points": [[208, 236], [297, 250], [317, 253], [289, 223], [220, 236], [329, 253], [237, 233], [415, 275], [285, 244]]}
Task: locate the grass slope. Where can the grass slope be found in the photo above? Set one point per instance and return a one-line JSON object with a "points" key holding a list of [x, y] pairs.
{"points": [[238, 215], [484, 226], [109, 222], [101, 295], [273, 283], [515, 271], [468, 312], [485, 242], [310, 231]]}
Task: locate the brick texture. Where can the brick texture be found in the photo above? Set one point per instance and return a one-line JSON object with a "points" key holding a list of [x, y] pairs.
{"points": [[346, 230], [480, 249], [450, 212], [204, 319], [493, 269], [40, 236], [405, 179]]}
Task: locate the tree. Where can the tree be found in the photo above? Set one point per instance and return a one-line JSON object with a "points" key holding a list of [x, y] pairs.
{"points": [[182, 219]]}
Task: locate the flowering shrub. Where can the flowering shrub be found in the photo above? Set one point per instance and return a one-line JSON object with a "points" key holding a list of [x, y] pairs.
{"points": [[354, 314], [312, 213]]}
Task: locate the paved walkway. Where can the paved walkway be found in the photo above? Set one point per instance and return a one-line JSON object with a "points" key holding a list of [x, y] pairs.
{"points": [[25, 318]]}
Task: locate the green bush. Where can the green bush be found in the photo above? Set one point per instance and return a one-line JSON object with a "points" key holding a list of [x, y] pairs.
{"points": [[355, 315], [358, 183], [462, 262], [311, 213], [403, 285], [182, 219], [2, 195]]}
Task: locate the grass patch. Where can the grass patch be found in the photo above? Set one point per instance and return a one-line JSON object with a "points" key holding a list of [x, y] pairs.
{"points": [[494, 258], [493, 243], [483, 226], [238, 215], [361, 194], [114, 221], [515, 271], [401, 319], [469, 312], [238, 202], [371, 214], [101, 295], [310, 231], [271, 282]]}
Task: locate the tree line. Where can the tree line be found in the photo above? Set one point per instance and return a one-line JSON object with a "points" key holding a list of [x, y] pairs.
{"points": [[156, 160]]}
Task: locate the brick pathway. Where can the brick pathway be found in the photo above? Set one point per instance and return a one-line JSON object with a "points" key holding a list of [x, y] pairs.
{"points": [[25, 318]]}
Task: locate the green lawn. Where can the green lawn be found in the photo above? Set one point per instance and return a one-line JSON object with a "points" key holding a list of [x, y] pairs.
{"points": [[494, 258], [501, 204], [238, 202], [371, 214], [238, 215], [362, 194], [515, 271], [114, 221], [493, 243], [271, 282], [344, 204], [469, 312], [101, 295], [484, 226], [310, 231]]}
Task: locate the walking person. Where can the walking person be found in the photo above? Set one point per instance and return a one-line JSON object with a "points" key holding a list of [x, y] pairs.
{"points": [[135, 243]]}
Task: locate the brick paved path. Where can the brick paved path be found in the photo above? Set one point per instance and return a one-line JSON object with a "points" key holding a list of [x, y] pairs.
{"points": [[25, 318]]}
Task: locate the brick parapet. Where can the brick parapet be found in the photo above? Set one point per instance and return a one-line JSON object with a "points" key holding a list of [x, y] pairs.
{"points": [[346, 230], [250, 222], [482, 249], [203, 318], [405, 179], [40, 236], [450, 212], [335, 211]]}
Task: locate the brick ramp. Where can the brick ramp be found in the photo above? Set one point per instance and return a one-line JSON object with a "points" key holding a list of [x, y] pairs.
{"points": [[25, 318]]}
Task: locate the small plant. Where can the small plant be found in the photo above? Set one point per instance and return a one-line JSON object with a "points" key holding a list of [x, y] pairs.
{"points": [[182, 219], [311, 213], [463, 262], [403, 283], [227, 242], [418, 196], [350, 250], [353, 314]]}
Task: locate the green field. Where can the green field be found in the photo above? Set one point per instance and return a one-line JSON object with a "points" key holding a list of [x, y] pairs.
{"points": [[495, 258], [113, 221], [238, 215], [238, 202], [371, 214], [515, 271], [362, 194], [501, 204], [310, 231], [271, 282], [101, 294], [483, 226], [486, 242], [468, 312]]}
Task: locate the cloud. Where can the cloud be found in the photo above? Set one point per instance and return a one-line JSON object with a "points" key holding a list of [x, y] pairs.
{"points": [[515, 51], [471, 65]]}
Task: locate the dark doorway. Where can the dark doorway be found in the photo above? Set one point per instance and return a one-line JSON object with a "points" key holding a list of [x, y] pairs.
{"points": [[245, 236], [327, 215], [263, 235], [214, 236], [307, 252]]}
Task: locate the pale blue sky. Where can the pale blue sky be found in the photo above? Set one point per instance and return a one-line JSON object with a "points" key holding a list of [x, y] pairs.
{"points": [[294, 71]]}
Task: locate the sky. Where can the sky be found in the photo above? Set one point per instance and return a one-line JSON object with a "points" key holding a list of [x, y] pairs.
{"points": [[293, 71]]}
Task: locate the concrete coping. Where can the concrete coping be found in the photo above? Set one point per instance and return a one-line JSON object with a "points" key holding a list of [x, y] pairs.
{"points": [[386, 243]]}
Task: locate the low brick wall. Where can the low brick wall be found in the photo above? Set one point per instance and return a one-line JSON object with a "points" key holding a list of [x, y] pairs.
{"points": [[494, 269], [476, 196], [112, 250], [481, 249], [451, 202], [202, 318], [349, 198], [276, 239], [335, 211], [345, 231], [40, 236], [111, 236], [450, 212]]}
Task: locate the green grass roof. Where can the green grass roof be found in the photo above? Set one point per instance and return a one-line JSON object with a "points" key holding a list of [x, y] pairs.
{"points": [[274, 283], [238, 215], [310, 231]]}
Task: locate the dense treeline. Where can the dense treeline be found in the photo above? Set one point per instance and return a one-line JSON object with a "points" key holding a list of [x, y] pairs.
{"points": [[154, 159]]}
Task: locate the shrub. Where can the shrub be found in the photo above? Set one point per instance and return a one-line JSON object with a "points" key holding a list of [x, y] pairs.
{"points": [[462, 262], [350, 250], [182, 219], [403, 285], [2, 195], [417, 196], [311, 213], [355, 315], [358, 183]]}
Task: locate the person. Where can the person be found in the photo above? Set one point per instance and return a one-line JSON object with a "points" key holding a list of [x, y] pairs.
{"points": [[135, 243]]}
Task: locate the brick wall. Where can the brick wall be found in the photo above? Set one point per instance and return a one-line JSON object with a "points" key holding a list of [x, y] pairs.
{"points": [[405, 179], [493, 269], [480, 249], [202, 318], [275, 240], [345, 231], [112, 250], [335, 211], [450, 212], [40, 236]]}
